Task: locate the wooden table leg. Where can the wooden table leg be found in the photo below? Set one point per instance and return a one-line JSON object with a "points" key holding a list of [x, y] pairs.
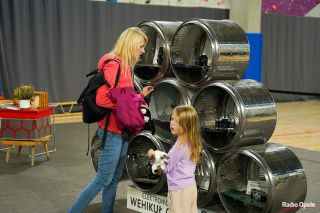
{"points": [[33, 144], [8, 153], [46, 148], [19, 150], [32, 155]]}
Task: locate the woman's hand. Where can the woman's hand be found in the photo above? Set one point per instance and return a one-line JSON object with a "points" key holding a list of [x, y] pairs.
{"points": [[147, 90], [145, 106]]}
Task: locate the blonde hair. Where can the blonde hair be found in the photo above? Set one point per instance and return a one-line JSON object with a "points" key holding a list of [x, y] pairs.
{"points": [[127, 44], [189, 127]]}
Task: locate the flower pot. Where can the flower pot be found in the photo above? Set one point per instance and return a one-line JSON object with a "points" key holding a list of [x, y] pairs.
{"points": [[15, 101], [24, 104]]}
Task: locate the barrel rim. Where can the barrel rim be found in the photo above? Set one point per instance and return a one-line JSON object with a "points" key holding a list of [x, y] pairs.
{"points": [[159, 29], [138, 85], [158, 144], [187, 101], [239, 104], [214, 44], [213, 176]]}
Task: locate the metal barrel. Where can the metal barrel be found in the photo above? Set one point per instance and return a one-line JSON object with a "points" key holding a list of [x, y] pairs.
{"points": [[204, 50], [167, 94], [95, 150], [235, 113], [260, 178], [138, 163], [205, 175], [154, 64]]}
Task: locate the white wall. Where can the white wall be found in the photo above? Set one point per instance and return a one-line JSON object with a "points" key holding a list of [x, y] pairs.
{"points": [[222, 4], [315, 12]]}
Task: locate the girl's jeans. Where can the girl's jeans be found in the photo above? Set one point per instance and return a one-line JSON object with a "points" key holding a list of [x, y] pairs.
{"points": [[110, 169]]}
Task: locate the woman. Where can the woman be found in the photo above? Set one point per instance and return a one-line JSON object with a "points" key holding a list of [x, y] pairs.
{"points": [[127, 51]]}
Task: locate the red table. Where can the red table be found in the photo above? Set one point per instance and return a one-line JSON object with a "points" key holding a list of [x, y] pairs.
{"points": [[25, 113], [30, 124], [29, 127]]}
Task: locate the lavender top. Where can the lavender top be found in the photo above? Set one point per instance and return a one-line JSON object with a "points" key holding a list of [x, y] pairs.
{"points": [[180, 169]]}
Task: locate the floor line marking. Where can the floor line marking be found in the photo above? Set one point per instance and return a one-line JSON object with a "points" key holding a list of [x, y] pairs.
{"points": [[305, 116], [298, 121], [297, 133], [315, 104], [295, 141], [295, 113]]}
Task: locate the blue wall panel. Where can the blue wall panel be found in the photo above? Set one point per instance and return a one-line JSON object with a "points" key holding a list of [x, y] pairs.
{"points": [[255, 63]]}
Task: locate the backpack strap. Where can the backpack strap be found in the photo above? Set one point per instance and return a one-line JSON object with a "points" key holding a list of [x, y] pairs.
{"points": [[118, 74], [109, 111], [93, 72]]}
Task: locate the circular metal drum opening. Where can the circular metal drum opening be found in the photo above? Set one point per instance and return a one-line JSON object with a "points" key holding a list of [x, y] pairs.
{"points": [[204, 50], [138, 163], [167, 94], [259, 178], [205, 174], [154, 64], [235, 113]]}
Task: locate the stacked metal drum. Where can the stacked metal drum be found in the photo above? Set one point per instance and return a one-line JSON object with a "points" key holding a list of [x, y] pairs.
{"points": [[200, 63]]}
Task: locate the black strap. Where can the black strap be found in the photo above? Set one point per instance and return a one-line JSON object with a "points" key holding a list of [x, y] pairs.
{"points": [[93, 72], [117, 77], [109, 111], [105, 128], [88, 139]]}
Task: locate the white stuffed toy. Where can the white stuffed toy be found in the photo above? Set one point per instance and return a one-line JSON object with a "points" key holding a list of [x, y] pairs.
{"points": [[159, 158]]}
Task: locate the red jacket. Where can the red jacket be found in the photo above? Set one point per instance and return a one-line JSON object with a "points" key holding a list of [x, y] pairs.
{"points": [[110, 72]]}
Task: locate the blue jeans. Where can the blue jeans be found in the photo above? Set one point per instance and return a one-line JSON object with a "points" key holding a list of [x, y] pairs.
{"points": [[110, 169]]}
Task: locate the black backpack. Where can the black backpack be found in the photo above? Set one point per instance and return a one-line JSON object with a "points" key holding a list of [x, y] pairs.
{"points": [[91, 112]]}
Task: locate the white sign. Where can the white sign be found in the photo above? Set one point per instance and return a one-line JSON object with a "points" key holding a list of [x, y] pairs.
{"points": [[204, 183], [146, 202], [153, 203]]}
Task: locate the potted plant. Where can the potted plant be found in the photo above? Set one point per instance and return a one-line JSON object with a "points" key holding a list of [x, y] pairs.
{"points": [[24, 94], [15, 96]]}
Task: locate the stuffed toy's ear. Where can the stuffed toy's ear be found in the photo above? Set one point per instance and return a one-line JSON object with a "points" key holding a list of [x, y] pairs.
{"points": [[146, 113], [149, 125]]}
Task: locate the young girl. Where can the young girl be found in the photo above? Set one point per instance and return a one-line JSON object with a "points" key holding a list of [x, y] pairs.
{"points": [[183, 158]]}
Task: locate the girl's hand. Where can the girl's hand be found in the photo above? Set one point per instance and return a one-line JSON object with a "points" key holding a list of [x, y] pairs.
{"points": [[160, 171], [147, 90]]}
